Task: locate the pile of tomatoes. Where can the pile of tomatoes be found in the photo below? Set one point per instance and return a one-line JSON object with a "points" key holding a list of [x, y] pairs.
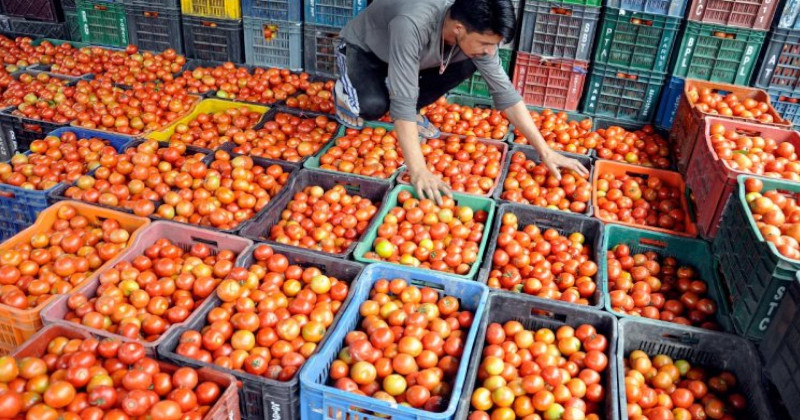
{"points": [[317, 97], [647, 201], [658, 288], [324, 220], [560, 132], [407, 346], [211, 130], [136, 178], [41, 97], [777, 217], [125, 67], [528, 374], [755, 154], [18, 52], [713, 102], [422, 234], [272, 318], [144, 295], [466, 121], [58, 258], [53, 160], [466, 164], [662, 388], [642, 147], [543, 263], [530, 182], [287, 137], [371, 151], [93, 380]]}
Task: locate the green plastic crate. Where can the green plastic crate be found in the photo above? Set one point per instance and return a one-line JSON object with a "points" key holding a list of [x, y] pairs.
{"points": [[313, 161], [73, 26], [476, 86], [705, 55], [471, 201], [630, 95], [103, 23], [634, 40], [693, 252]]}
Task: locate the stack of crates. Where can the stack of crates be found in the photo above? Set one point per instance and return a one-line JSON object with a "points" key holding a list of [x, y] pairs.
{"points": [[212, 30], [39, 18], [323, 20], [273, 33], [154, 25], [554, 46], [721, 43], [632, 58], [779, 73]]}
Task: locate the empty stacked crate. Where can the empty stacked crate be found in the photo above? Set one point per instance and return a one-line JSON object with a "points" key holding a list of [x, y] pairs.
{"points": [[154, 25], [632, 58], [273, 33], [554, 47], [212, 30], [779, 73], [323, 20]]}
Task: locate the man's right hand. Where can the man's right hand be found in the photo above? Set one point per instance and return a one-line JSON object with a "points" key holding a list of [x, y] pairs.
{"points": [[428, 185]]}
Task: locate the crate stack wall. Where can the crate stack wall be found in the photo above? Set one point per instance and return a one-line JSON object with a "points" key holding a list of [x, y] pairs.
{"points": [[40, 18], [322, 22], [213, 30], [779, 70]]}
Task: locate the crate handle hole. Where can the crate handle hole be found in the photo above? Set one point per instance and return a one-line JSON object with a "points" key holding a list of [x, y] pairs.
{"points": [[652, 243], [635, 174], [724, 35], [32, 127], [209, 24], [150, 14], [561, 11], [7, 194], [645, 22], [100, 8], [206, 241], [749, 133], [626, 76], [423, 283], [547, 314], [684, 338]]}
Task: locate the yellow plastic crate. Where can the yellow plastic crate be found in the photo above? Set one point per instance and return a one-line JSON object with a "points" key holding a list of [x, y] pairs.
{"points": [[224, 9], [206, 106]]}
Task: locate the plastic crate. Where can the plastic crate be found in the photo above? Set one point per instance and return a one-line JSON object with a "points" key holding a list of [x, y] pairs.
{"points": [[669, 178], [475, 85], [780, 67], [20, 131], [18, 325], [693, 252], [711, 181], [217, 9], [471, 201], [103, 23], [376, 191], [36, 29], [212, 39], [182, 235], [624, 94], [226, 407], [699, 347], [564, 223], [668, 104], [718, 53], [272, 43], [273, 9], [261, 397], [318, 400], [44, 10], [687, 125], [550, 83], [672, 8], [332, 12], [319, 54], [72, 24], [748, 14], [558, 29], [787, 17], [532, 154], [544, 314], [753, 269], [636, 41], [781, 349], [154, 28], [786, 104]]}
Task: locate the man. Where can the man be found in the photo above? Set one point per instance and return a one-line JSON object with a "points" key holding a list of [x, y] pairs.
{"points": [[401, 55]]}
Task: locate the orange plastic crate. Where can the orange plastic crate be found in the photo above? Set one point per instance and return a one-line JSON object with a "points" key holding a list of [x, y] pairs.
{"points": [[672, 179], [17, 325]]}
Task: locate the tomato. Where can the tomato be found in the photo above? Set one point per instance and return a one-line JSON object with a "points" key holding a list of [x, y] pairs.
{"points": [[167, 410]]}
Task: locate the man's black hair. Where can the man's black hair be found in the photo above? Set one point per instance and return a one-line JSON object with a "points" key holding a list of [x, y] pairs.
{"points": [[495, 16]]}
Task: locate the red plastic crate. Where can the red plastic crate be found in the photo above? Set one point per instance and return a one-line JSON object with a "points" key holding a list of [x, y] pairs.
{"points": [[748, 14], [550, 83], [687, 127], [711, 181]]}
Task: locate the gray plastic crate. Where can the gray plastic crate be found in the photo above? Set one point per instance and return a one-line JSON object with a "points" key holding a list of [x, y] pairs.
{"points": [[154, 28], [273, 43], [558, 29], [212, 39], [780, 350], [273, 9], [319, 55]]}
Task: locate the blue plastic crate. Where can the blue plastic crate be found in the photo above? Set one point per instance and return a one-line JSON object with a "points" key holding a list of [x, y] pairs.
{"points": [[332, 12], [321, 401], [273, 9], [786, 103], [19, 207], [787, 17], [668, 104], [674, 8]]}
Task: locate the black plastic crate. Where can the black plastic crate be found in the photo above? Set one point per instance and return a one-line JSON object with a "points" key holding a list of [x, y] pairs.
{"points": [[319, 55], [263, 398], [373, 189], [273, 43], [36, 29], [44, 10], [565, 223], [273, 9], [558, 29], [73, 27], [20, 131], [544, 314], [213, 39], [704, 348], [154, 28], [781, 349]]}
